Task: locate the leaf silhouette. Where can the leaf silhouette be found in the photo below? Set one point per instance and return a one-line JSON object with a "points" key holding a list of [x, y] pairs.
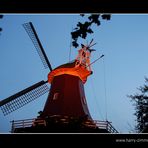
{"points": [[106, 16], [83, 29], [1, 16]]}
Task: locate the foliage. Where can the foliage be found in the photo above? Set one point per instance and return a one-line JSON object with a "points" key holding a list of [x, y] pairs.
{"points": [[141, 107], [1, 16], [83, 29]]}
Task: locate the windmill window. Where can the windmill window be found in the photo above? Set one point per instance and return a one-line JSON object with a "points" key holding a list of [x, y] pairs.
{"points": [[55, 96]]}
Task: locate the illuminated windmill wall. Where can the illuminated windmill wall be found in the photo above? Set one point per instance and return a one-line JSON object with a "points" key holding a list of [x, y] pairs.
{"points": [[67, 96]]}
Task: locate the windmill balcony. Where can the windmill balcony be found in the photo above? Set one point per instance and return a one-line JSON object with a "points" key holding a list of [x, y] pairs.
{"points": [[62, 124]]}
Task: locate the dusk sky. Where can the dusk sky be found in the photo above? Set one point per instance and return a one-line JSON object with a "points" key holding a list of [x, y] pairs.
{"points": [[123, 40]]}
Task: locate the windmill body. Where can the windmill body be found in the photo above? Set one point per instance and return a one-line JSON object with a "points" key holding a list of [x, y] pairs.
{"points": [[67, 96]]}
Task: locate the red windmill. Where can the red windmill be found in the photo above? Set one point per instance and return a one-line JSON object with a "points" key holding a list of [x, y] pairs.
{"points": [[66, 96]]}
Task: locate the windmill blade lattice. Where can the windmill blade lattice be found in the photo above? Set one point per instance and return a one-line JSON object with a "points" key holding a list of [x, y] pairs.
{"points": [[34, 37], [23, 97]]}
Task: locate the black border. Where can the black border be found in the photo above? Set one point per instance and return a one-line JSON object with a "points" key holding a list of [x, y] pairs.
{"points": [[70, 6], [73, 6], [71, 140]]}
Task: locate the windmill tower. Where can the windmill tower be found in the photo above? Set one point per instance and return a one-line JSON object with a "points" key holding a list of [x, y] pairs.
{"points": [[66, 96]]}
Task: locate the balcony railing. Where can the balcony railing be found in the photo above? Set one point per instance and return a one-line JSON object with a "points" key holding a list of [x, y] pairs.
{"points": [[21, 124], [106, 125], [32, 122]]}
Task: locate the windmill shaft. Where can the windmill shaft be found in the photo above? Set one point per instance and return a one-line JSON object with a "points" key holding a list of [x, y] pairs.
{"points": [[95, 60], [90, 42], [92, 45]]}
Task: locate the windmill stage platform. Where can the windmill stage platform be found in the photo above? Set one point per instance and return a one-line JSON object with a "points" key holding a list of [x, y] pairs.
{"points": [[62, 124]]}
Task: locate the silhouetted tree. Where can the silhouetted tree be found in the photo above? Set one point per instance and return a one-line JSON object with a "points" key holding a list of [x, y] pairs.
{"points": [[141, 107], [83, 29], [1, 16]]}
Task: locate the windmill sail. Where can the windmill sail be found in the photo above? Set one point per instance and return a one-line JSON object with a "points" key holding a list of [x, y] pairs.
{"points": [[34, 37], [23, 97]]}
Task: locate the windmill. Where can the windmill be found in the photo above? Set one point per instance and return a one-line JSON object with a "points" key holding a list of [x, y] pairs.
{"points": [[66, 96]]}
